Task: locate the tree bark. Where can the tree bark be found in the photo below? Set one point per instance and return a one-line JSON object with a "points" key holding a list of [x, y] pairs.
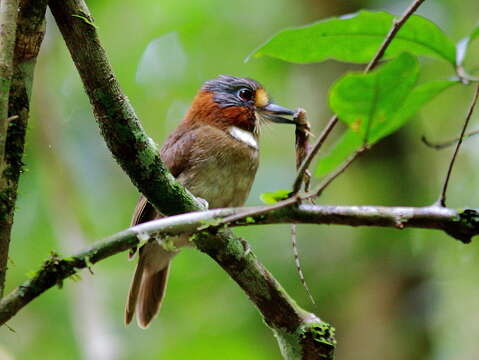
{"points": [[29, 35], [240, 263]]}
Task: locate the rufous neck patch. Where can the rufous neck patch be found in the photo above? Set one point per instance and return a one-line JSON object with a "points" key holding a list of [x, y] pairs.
{"points": [[261, 98]]}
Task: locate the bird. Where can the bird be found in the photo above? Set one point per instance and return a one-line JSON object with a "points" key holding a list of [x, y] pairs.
{"points": [[214, 153]]}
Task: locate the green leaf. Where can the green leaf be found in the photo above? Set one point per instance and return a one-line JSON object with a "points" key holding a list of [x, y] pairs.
{"points": [[463, 46], [356, 38], [275, 196], [346, 145], [352, 141], [368, 102], [418, 97]]}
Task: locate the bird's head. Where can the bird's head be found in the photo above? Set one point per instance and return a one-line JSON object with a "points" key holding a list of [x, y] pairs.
{"points": [[233, 101]]}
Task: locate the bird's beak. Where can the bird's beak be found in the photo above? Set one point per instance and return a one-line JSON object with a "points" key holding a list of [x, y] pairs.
{"points": [[273, 112]]}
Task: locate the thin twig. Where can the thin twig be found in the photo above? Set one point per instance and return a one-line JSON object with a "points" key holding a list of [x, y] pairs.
{"points": [[314, 150], [332, 176], [446, 144], [442, 197], [397, 24], [298, 263], [302, 134]]}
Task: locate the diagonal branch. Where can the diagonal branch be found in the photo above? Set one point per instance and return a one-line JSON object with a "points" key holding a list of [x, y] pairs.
{"points": [[296, 330], [463, 225], [397, 24], [131, 147]]}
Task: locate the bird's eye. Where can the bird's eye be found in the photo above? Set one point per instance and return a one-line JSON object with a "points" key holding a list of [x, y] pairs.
{"points": [[245, 94]]}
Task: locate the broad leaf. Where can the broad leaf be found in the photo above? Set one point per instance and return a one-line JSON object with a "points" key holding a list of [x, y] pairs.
{"points": [[418, 97], [351, 141], [345, 146], [368, 102], [356, 38], [275, 196]]}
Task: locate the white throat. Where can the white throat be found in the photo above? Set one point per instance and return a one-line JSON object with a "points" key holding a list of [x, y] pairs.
{"points": [[243, 136]]}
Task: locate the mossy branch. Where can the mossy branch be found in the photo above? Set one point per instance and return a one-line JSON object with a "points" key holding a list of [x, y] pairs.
{"points": [[30, 29], [8, 27], [463, 224], [139, 158]]}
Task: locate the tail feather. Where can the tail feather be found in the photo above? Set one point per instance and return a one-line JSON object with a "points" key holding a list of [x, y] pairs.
{"points": [[146, 294], [134, 290], [152, 292]]}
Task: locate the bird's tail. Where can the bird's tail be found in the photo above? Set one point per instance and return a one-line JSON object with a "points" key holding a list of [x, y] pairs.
{"points": [[146, 293]]}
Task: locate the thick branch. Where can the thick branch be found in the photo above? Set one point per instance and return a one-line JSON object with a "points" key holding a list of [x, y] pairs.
{"points": [[29, 35], [131, 147], [296, 329], [8, 26], [461, 224]]}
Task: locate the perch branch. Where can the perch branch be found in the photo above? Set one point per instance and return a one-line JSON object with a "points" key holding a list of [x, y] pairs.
{"points": [[462, 225]]}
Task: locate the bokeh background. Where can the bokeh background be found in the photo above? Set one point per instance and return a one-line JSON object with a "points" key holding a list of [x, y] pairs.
{"points": [[391, 294]]}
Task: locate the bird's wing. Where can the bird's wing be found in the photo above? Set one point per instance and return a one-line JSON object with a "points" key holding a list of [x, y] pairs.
{"points": [[176, 151], [177, 156]]}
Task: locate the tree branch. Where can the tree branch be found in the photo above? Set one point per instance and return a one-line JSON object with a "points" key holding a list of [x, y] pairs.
{"points": [[299, 333], [462, 225], [136, 153], [29, 35], [8, 26]]}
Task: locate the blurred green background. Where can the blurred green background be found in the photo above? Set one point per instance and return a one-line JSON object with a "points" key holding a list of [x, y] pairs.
{"points": [[391, 294]]}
